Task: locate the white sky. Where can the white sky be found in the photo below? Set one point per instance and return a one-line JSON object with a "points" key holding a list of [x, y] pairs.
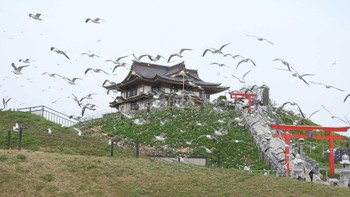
{"points": [[310, 35]]}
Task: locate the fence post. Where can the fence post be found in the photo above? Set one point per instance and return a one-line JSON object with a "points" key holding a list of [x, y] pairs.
{"points": [[137, 147], [20, 138], [112, 148], [8, 139]]}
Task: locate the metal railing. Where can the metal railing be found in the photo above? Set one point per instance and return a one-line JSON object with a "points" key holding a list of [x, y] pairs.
{"points": [[50, 114]]}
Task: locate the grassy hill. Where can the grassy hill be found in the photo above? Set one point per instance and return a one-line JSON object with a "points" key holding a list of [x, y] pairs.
{"points": [[65, 164]]}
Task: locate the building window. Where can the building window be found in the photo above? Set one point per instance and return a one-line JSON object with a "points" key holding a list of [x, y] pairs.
{"points": [[134, 106], [131, 92], [204, 95], [155, 88]]}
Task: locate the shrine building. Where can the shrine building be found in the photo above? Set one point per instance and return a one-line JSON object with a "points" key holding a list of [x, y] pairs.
{"points": [[175, 83]]}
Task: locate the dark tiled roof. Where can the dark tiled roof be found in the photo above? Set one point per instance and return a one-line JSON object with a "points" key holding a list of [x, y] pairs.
{"points": [[154, 72]]}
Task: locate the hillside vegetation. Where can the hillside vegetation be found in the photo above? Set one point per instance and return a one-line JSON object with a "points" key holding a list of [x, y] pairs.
{"points": [[65, 164]]}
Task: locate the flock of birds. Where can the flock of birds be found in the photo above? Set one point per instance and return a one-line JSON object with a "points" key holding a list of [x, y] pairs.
{"points": [[119, 63]]}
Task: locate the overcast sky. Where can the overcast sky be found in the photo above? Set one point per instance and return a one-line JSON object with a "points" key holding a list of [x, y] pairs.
{"points": [[312, 36]]}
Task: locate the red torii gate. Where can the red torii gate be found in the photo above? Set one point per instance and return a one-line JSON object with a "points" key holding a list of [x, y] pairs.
{"points": [[287, 136], [250, 98]]}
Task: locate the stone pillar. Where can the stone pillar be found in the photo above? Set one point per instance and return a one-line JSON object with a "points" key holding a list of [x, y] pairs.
{"points": [[301, 147], [265, 96], [298, 168], [345, 171]]}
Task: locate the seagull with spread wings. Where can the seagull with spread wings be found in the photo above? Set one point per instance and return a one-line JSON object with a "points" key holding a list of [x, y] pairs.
{"points": [[95, 20], [219, 64], [96, 70], [71, 81], [245, 60], [92, 55], [214, 50], [346, 97], [333, 116], [59, 52], [27, 60], [242, 80], [301, 77], [17, 70], [283, 62], [36, 16], [327, 86], [259, 38], [51, 74], [178, 54], [117, 61]]}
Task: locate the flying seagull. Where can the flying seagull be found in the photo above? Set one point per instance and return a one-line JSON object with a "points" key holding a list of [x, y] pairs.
{"points": [[5, 102], [59, 52], [245, 60], [89, 96], [283, 62], [154, 59], [219, 64], [233, 56], [213, 50], [71, 81], [301, 77], [90, 55], [242, 80], [259, 38], [140, 57], [35, 16], [96, 70], [119, 65], [346, 97], [178, 54], [27, 60], [117, 61], [96, 20], [51, 74], [17, 70], [333, 116], [327, 86]]}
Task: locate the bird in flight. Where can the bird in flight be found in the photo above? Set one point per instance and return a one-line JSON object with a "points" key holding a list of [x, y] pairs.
{"points": [[140, 57], [333, 116], [59, 52], [260, 39], [17, 70], [219, 64], [71, 81], [117, 61], [89, 96], [51, 74], [327, 86], [154, 59], [233, 56], [346, 97], [90, 55], [96, 70], [242, 80], [244, 60], [283, 62], [35, 16], [27, 60], [214, 50], [96, 20], [119, 65], [301, 77], [5, 102], [178, 54]]}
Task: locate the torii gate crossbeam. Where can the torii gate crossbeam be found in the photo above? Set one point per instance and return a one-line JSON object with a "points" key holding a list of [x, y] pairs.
{"points": [[330, 137]]}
